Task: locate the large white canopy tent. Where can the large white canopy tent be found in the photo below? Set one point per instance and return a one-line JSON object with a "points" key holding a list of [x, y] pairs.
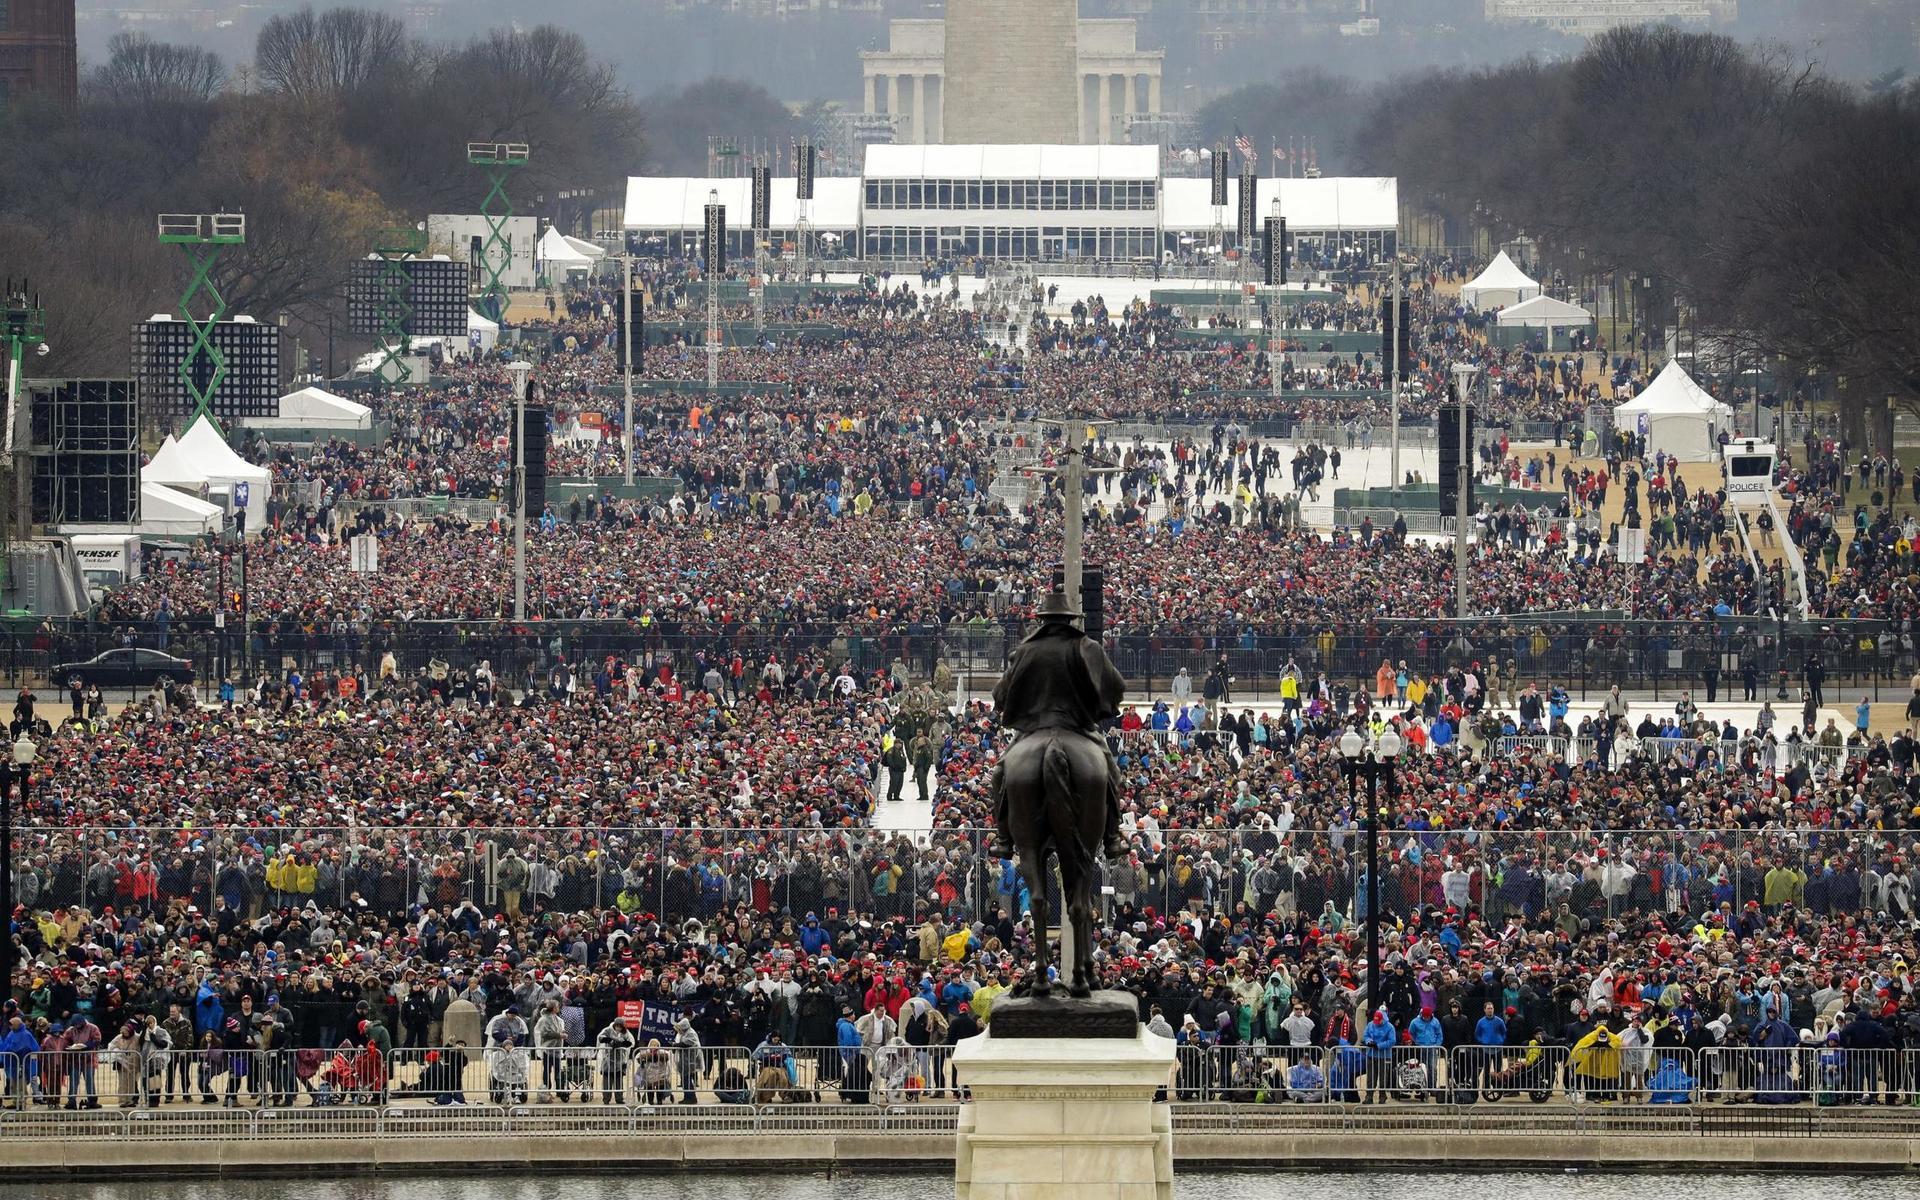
{"points": [[1544, 312], [1502, 284], [1676, 415], [1545, 315], [314, 408], [200, 457]]}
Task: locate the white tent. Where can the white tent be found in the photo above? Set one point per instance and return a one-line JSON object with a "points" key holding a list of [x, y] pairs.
{"points": [[1500, 285], [1544, 312], [201, 456], [1675, 415], [314, 408], [558, 253], [169, 512]]}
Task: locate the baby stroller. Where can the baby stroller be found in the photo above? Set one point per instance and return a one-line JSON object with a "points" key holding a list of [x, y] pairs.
{"points": [[344, 1078]]}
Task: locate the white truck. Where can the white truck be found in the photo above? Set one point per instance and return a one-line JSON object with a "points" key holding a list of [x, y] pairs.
{"points": [[107, 559]]}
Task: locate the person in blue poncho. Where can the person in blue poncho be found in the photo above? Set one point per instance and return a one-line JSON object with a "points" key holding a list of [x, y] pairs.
{"points": [[1349, 1061], [20, 1058], [1777, 1044], [1305, 1083], [1670, 1084]]}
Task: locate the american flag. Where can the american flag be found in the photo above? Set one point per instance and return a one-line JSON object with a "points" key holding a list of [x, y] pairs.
{"points": [[1279, 154], [1243, 144]]}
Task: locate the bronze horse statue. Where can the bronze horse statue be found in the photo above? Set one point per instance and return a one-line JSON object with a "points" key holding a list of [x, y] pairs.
{"points": [[1056, 789]]}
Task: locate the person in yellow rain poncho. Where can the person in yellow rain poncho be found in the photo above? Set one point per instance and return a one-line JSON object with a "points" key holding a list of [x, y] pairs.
{"points": [[1593, 1066]]}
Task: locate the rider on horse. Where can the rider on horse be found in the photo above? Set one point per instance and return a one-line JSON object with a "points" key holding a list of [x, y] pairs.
{"points": [[1059, 679]]}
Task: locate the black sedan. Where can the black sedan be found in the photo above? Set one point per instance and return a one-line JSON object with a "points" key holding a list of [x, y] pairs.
{"points": [[129, 666]]}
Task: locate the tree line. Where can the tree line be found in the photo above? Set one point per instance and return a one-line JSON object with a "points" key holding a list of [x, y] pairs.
{"points": [[341, 125], [1777, 207]]}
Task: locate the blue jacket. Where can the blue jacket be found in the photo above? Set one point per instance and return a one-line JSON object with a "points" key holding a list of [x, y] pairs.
{"points": [[848, 1035], [1490, 1031], [1379, 1037], [19, 1054], [814, 939], [1426, 1031]]}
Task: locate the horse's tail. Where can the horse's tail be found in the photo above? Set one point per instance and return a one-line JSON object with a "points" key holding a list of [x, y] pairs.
{"points": [[1057, 769]]}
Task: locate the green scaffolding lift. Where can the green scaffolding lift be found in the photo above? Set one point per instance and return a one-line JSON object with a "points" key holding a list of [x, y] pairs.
{"points": [[498, 160], [202, 236], [394, 248]]}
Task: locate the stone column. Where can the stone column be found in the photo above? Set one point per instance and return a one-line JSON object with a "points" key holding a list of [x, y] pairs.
{"points": [[870, 98], [1103, 111], [919, 109], [1089, 127], [936, 108], [1153, 93], [893, 98]]}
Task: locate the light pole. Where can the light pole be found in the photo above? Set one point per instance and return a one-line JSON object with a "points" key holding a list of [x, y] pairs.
{"points": [[711, 268], [626, 334], [1393, 382], [24, 753], [519, 370], [1463, 374], [23, 325]]}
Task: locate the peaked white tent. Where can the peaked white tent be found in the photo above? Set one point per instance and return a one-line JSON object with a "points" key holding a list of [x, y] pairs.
{"points": [[558, 252], [1676, 415], [201, 456], [482, 331], [1500, 285]]}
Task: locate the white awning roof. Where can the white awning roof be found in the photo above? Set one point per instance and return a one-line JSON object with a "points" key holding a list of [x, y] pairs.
{"points": [[1358, 203], [319, 407], [678, 203], [1012, 162], [1544, 312], [171, 512]]}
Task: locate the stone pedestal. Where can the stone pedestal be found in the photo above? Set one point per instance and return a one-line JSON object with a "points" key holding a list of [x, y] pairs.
{"points": [[1064, 1118]]}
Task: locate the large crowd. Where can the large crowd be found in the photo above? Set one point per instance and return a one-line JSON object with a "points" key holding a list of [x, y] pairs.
{"points": [[638, 857]]}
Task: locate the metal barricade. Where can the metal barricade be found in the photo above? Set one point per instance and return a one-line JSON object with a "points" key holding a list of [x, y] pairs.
{"points": [[1536, 744], [1661, 749], [1826, 1075]]}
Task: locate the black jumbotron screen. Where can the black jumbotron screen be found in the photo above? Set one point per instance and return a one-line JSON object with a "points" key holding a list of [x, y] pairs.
{"points": [[438, 293]]}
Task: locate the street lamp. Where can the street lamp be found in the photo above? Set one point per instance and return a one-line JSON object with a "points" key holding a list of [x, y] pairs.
{"points": [[1373, 763], [1352, 745], [519, 370]]}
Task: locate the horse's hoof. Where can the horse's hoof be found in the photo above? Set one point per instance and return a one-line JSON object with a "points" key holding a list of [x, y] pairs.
{"points": [[1080, 992], [1039, 992]]}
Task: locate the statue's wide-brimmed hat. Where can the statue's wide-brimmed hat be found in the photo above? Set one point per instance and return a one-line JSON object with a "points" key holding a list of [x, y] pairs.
{"points": [[1059, 604]]}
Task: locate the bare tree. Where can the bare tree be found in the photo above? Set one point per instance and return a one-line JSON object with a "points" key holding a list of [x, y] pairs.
{"points": [[343, 50], [142, 72]]}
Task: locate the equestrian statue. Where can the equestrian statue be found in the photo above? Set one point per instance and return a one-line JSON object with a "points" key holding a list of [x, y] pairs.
{"points": [[1056, 789]]}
